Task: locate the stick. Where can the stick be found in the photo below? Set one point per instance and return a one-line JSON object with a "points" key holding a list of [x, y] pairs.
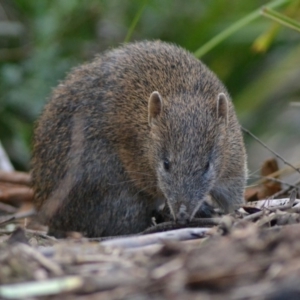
{"points": [[196, 222], [41, 259], [283, 191], [16, 194], [265, 209], [7, 208], [17, 216], [155, 238], [41, 288], [267, 178], [15, 177], [272, 151]]}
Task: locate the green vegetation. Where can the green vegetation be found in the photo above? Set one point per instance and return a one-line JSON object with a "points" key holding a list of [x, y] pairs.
{"points": [[258, 59]]}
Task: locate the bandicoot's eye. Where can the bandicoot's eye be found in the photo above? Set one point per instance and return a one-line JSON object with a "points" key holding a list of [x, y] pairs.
{"points": [[166, 165]]}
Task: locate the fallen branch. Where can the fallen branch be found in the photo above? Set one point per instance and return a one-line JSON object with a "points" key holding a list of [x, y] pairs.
{"points": [[155, 238], [7, 219], [41, 288], [7, 208], [197, 222], [15, 177], [18, 194]]}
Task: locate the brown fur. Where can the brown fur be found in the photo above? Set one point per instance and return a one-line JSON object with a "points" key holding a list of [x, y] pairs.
{"points": [[101, 143]]}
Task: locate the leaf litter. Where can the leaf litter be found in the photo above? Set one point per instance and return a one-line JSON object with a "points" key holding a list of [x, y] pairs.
{"points": [[253, 253]]}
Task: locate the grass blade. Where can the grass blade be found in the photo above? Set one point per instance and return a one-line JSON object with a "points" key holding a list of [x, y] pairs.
{"points": [[134, 22], [235, 27], [280, 18]]}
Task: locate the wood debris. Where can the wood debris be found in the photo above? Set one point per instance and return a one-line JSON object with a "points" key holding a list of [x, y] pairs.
{"points": [[251, 254]]}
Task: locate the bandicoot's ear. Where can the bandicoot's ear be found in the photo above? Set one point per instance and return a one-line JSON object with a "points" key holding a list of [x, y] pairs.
{"points": [[222, 107], [155, 107]]}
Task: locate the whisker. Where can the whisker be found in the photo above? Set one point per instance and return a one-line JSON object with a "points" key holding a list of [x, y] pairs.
{"points": [[138, 173], [251, 185], [126, 181], [120, 182], [147, 187], [253, 173]]}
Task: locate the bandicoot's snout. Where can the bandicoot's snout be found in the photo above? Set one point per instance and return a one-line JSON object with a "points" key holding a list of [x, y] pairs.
{"points": [[181, 215]]}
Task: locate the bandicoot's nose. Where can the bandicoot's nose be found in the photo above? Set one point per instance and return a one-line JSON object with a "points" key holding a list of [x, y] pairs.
{"points": [[182, 217]]}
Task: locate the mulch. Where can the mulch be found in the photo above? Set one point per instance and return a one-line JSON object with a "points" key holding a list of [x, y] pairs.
{"points": [[251, 254]]}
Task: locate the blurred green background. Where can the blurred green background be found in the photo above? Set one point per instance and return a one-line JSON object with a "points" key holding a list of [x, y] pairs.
{"points": [[260, 64]]}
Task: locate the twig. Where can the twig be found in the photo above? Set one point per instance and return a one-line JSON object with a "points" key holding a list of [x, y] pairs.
{"points": [[82, 258], [155, 238], [254, 216], [41, 288], [17, 216], [280, 207], [270, 203], [197, 222], [267, 178], [282, 172], [50, 265], [165, 226], [15, 194], [267, 209], [283, 191], [293, 196], [266, 219], [272, 151], [7, 208], [15, 177]]}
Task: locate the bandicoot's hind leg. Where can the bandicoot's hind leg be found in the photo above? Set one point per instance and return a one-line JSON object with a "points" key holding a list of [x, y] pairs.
{"points": [[118, 213], [101, 200]]}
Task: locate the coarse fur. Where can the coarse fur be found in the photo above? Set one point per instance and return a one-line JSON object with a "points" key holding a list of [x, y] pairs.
{"points": [[142, 124]]}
